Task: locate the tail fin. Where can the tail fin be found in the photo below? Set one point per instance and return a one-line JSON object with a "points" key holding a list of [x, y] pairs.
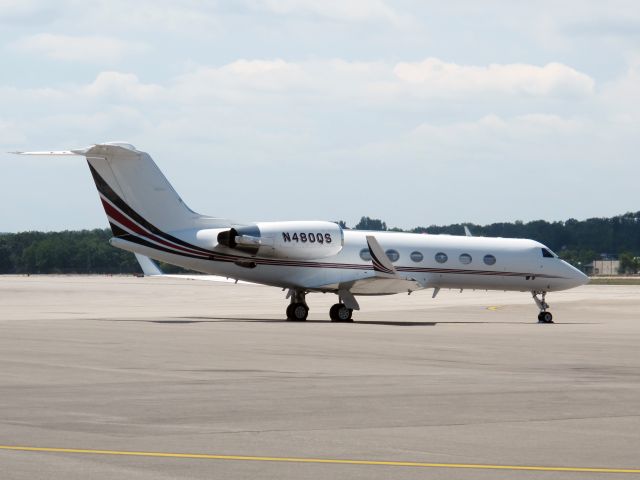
{"points": [[130, 183], [130, 180]]}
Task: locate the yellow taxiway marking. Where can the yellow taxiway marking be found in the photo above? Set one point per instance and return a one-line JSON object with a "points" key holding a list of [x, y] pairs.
{"points": [[333, 461], [494, 307]]}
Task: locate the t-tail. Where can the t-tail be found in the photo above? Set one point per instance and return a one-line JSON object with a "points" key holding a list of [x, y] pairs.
{"points": [[136, 196]]}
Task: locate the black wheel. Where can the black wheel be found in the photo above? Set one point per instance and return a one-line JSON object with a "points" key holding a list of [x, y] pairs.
{"points": [[547, 317], [540, 320], [297, 312], [340, 313]]}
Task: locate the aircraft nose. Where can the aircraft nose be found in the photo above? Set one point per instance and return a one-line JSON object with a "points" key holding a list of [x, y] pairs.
{"points": [[583, 279], [578, 278]]}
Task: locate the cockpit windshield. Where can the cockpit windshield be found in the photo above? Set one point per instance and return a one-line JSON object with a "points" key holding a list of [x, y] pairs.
{"points": [[548, 253]]}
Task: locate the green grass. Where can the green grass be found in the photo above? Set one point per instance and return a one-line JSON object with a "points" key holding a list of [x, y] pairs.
{"points": [[614, 281]]}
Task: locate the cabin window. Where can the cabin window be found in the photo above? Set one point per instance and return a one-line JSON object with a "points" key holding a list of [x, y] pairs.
{"points": [[441, 257], [365, 254], [465, 258], [489, 259], [547, 253], [416, 256], [392, 255]]}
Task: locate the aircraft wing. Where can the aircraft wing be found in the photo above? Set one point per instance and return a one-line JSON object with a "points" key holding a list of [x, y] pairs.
{"points": [[385, 282], [151, 269], [375, 286]]}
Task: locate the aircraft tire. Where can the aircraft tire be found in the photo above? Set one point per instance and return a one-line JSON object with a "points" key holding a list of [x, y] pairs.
{"points": [[545, 317], [340, 313], [297, 312]]}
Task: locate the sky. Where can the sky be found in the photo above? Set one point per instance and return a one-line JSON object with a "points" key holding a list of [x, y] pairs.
{"points": [[415, 112]]}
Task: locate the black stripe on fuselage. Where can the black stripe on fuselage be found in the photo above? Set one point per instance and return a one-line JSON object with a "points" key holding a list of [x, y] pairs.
{"points": [[140, 241], [284, 263], [112, 196]]}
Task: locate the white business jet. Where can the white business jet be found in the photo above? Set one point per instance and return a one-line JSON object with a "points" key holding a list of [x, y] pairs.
{"points": [[148, 217]]}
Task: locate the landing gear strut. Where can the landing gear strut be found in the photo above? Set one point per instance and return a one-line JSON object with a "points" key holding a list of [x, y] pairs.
{"points": [[544, 316], [298, 310]]}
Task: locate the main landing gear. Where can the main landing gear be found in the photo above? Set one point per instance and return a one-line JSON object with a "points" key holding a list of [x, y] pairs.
{"points": [[298, 310], [544, 316], [340, 313]]}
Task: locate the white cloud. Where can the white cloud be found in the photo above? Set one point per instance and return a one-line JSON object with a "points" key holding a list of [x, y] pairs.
{"points": [[379, 83], [327, 104], [436, 95], [90, 49], [116, 86], [247, 76], [552, 79]]}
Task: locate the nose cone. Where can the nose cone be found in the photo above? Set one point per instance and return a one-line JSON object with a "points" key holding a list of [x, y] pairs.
{"points": [[575, 276], [581, 278]]}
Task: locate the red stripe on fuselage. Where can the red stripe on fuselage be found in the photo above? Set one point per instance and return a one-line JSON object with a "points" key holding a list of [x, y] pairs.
{"points": [[126, 222]]}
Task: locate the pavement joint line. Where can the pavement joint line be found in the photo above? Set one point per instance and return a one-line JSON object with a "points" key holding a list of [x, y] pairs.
{"points": [[333, 461]]}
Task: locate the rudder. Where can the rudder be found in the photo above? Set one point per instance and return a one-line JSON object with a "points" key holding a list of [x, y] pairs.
{"points": [[130, 180]]}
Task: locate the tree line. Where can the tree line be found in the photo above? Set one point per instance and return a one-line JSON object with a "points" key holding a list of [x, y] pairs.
{"points": [[84, 251], [88, 251]]}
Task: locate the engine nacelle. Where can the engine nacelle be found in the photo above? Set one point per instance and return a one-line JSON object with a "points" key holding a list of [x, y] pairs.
{"points": [[294, 240]]}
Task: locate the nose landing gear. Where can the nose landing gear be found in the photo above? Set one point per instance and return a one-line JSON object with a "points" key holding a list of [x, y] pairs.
{"points": [[544, 316]]}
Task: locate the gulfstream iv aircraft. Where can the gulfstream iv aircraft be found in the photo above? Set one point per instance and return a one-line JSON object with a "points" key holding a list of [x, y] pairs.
{"points": [[148, 217]]}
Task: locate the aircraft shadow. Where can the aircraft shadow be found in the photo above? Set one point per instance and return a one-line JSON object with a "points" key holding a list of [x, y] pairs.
{"points": [[390, 323], [189, 320]]}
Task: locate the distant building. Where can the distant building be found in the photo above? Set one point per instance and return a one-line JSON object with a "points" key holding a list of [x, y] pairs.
{"points": [[603, 267]]}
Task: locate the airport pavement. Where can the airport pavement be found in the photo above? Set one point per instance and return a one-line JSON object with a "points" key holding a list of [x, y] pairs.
{"points": [[122, 364]]}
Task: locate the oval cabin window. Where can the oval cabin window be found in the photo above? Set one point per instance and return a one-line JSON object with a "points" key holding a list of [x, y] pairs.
{"points": [[489, 259], [365, 254], [416, 256], [465, 259], [392, 255], [441, 257]]}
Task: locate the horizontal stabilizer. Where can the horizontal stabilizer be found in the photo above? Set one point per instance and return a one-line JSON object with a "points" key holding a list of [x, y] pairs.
{"points": [[149, 267], [58, 152], [99, 148]]}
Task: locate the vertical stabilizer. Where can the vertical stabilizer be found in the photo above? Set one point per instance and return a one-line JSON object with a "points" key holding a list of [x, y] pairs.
{"points": [[131, 181]]}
